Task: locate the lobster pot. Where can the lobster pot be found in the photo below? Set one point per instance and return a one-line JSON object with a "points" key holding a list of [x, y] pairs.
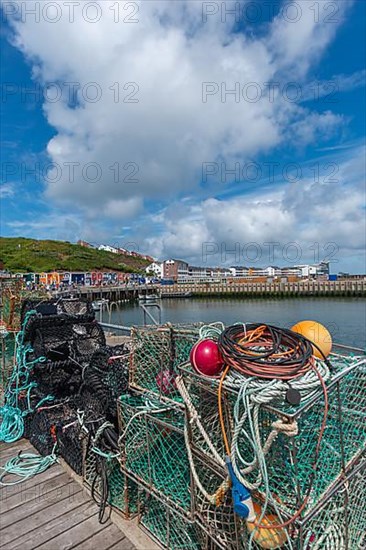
{"points": [[45, 425], [339, 523], [122, 491], [58, 378], [153, 449], [82, 308], [290, 459], [7, 350], [150, 362], [156, 354], [217, 518], [58, 338], [84, 421], [78, 310], [106, 376], [69, 444], [169, 529], [27, 403], [12, 299]]}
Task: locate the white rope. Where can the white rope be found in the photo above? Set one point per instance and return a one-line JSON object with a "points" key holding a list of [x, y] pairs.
{"points": [[219, 494], [195, 419]]}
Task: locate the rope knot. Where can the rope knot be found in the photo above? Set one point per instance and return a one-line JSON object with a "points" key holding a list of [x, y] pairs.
{"points": [[291, 429]]}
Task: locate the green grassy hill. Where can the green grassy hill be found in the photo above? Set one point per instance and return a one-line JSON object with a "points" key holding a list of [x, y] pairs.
{"points": [[30, 255]]}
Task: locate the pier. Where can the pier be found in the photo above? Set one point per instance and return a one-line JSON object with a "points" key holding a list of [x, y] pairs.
{"points": [[342, 288], [55, 510]]}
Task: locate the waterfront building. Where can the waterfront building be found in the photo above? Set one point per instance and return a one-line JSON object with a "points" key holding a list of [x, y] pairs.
{"points": [[177, 270], [155, 268]]}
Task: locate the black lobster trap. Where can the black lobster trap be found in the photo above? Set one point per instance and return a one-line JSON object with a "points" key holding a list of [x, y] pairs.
{"points": [[106, 377]]}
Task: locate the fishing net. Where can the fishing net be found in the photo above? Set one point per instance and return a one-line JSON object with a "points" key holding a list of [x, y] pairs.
{"points": [[183, 338], [107, 376], [156, 354], [109, 484], [218, 519], [339, 523], [205, 402], [291, 455], [169, 529], [153, 451]]}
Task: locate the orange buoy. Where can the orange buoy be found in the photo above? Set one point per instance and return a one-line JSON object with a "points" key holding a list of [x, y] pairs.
{"points": [[267, 538], [316, 333]]}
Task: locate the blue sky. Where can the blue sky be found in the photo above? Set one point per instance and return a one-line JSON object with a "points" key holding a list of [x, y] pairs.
{"points": [[153, 151]]}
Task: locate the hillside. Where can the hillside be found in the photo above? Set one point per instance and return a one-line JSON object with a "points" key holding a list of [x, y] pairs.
{"points": [[30, 255]]}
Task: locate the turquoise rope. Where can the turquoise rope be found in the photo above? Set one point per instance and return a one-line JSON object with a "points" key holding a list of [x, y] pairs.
{"points": [[27, 465], [12, 425]]}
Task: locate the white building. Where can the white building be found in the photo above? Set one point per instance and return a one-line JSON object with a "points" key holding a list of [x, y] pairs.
{"points": [[238, 271], [108, 248], [314, 270], [156, 269]]}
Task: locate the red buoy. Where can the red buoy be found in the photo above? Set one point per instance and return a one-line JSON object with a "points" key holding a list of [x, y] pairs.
{"points": [[206, 358], [165, 380]]}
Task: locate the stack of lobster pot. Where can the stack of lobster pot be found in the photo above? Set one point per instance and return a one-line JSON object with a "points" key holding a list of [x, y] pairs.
{"points": [[153, 451], [57, 343], [306, 495]]}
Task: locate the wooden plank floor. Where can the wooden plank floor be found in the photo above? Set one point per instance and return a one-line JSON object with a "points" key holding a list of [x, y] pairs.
{"points": [[51, 511]]}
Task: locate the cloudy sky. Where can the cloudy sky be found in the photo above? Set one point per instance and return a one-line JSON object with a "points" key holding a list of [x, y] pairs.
{"points": [[216, 132]]}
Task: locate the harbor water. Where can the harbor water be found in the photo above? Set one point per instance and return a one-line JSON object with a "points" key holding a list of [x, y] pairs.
{"points": [[345, 318]]}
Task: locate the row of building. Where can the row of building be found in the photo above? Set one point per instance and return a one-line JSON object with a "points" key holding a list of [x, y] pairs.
{"points": [[116, 250], [95, 278], [181, 272]]}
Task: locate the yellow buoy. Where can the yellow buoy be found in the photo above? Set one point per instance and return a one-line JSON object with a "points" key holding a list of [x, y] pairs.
{"points": [[316, 333], [267, 538]]}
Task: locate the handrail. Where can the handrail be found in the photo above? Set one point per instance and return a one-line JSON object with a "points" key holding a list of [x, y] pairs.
{"points": [[145, 307], [116, 327]]}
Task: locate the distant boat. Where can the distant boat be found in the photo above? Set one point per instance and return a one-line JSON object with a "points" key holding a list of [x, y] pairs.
{"points": [[148, 297], [151, 297], [97, 305]]}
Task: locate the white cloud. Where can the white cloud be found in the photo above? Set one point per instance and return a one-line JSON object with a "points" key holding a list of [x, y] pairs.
{"points": [[169, 53], [313, 214], [150, 152], [6, 190]]}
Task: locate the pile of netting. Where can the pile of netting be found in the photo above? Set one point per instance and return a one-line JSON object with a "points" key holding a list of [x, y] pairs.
{"points": [[258, 441], [242, 437]]}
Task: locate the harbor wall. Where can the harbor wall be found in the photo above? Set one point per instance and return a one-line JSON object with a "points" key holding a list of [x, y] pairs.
{"points": [[343, 287]]}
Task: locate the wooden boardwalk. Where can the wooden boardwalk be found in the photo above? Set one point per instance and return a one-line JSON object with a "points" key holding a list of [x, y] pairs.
{"points": [[51, 511]]}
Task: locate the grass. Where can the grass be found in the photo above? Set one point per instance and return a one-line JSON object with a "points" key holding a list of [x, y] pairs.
{"points": [[18, 254]]}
